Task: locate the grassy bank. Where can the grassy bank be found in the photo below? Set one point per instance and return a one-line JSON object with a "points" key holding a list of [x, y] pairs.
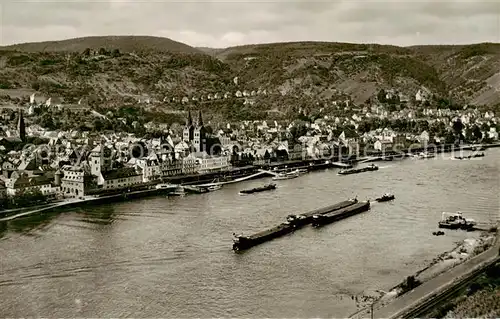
{"points": [[480, 300]]}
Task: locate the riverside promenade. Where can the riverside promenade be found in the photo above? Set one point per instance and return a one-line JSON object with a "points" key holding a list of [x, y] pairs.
{"points": [[73, 202], [405, 303]]}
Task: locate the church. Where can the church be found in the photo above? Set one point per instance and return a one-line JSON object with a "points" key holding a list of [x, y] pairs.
{"points": [[195, 135]]}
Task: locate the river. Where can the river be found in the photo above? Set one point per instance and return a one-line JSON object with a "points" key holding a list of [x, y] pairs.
{"points": [[172, 257]]}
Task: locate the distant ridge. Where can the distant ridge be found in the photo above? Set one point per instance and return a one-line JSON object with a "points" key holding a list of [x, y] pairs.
{"points": [[122, 43]]}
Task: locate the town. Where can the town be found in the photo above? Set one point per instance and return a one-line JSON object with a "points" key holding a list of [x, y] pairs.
{"points": [[41, 162]]}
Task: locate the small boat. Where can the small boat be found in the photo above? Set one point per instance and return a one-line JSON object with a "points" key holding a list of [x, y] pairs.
{"points": [[179, 191], [438, 233], [425, 155], [283, 176], [302, 171], [456, 221], [385, 198], [258, 189], [165, 186], [195, 189], [214, 188]]}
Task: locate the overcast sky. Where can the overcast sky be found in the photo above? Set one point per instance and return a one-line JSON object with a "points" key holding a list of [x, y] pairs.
{"points": [[227, 23]]}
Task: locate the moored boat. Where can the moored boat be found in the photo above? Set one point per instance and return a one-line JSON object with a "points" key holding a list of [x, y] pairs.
{"points": [[214, 188], [385, 198], [179, 191], [456, 221], [258, 189], [425, 155], [283, 176], [195, 189], [302, 171], [469, 156]]}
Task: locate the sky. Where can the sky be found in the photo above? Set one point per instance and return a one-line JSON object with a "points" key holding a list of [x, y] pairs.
{"points": [[220, 24]]}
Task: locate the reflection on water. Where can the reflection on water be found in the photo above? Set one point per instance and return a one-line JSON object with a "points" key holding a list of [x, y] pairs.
{"points": [[33, 222], [3, 228], [100, 215], [171, 257]]}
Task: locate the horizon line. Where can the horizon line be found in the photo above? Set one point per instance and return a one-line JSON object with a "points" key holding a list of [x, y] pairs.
{"points": [[241, 45]]}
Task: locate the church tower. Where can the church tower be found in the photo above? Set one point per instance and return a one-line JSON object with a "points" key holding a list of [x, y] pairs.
{"points": [[188, 132], [200, 135], [21, 127]]}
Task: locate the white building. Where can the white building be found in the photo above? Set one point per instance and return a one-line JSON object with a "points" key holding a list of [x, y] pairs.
{"points": [[74, 181], [120, 178], [210, 164]]}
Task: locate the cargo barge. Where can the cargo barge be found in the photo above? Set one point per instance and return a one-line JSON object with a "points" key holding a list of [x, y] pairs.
{"points": [[264, 188], [369, 168], [306, 218], [245, 242], [319, 220]]}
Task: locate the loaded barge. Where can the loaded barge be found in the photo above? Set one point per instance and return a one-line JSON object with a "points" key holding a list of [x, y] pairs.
{"points": [[264, 188], [369, 168], [306, 218], [319, 220], [245, 242], [293, 222]]}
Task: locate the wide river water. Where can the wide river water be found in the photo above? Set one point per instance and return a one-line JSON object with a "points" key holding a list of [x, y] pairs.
{"points": [[172, 257]]}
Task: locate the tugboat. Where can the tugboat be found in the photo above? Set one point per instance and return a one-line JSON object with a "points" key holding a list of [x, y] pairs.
{"points": [[456, 221], [371, 167], [385, 198], [264, 188]]}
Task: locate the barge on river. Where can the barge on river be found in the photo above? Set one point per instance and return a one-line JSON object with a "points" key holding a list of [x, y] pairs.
{"points": [[368, 168], [470, 156], [306, 218], [245, 242], [319, 220], [264, 188]]}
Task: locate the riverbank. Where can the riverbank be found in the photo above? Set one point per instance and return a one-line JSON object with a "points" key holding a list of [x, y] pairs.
{"points": [[231, 176], [463, 251], [73, 202]]}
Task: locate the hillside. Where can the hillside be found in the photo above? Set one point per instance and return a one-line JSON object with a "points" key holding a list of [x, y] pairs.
{"points": [[122, 43], [277, 78]]}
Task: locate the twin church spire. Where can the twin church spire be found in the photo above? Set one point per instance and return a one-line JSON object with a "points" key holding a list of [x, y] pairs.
{"points": [[189, 121]]}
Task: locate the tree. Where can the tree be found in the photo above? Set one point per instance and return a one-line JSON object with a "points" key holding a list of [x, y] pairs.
{"points": [[116, 53], [381, 96], [98, 125], [102, 51], [476, 133], [458, 127], [28, 198]]}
